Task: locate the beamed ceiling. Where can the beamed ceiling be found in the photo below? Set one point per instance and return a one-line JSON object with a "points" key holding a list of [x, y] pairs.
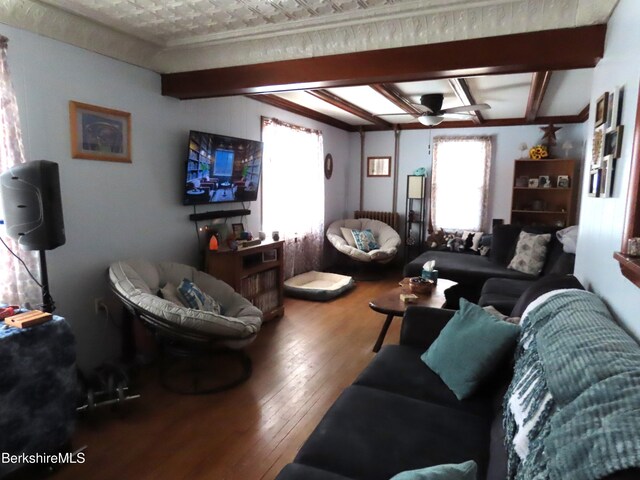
{"points": [[353, 64]]}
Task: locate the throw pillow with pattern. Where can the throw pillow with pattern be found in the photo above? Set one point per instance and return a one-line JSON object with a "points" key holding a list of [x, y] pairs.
{"points": [[531, 253], [365, 240], [192, 297]]}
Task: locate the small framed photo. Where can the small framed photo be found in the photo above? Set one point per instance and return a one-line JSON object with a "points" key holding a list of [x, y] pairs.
{"points": [[99, 133], [378, 166], [616, 107], [544, 181], [613, 142], [595, 178], [602, 109], [533, 183], [606, 183], [237, 229], [563, 181], [522, 181], [597, 148]]}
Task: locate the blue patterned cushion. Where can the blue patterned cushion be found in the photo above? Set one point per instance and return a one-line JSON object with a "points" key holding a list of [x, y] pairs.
{"points": [[195, 298], [365, 240]]}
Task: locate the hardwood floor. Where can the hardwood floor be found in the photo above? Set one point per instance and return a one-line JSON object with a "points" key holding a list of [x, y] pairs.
{"points": [[301, 364]]}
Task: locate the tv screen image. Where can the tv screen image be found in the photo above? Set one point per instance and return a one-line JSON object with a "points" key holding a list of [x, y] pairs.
{"points": [[221, 169]]}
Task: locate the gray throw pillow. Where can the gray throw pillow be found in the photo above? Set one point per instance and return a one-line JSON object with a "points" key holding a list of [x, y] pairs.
{"points": [[531, 253]]}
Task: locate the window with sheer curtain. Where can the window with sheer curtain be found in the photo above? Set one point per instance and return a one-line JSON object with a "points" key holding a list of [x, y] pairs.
{"points": [[460, 182], [15, 285], [293, 192]]}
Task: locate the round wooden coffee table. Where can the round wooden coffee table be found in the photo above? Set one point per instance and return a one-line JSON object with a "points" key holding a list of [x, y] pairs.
{"points": [[389, 303]]}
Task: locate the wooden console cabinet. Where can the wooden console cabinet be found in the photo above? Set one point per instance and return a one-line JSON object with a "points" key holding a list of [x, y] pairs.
{"points": [[256, 273]]}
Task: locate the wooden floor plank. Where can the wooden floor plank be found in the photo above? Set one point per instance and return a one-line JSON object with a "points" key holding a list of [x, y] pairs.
{"points": [[301, 364]]}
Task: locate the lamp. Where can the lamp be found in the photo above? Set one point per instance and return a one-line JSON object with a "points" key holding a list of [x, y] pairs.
{"points": [[430, 120]]}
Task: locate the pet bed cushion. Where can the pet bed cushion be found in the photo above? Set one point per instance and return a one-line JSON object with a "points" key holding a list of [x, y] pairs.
{"points": [[319, 286]]}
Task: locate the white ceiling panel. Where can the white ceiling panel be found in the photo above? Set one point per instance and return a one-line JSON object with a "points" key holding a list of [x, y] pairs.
{"points": [[314, 103], [568, 92], [507, 94], [366, 98], [399, 118]]}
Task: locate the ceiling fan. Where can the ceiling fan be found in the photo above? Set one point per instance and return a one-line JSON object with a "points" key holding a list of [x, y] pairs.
{"points": [[434, 114]]}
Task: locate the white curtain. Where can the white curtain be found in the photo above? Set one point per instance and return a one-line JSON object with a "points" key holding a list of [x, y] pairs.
{"points": [[293, 192], [460, 182], [16, 287]]}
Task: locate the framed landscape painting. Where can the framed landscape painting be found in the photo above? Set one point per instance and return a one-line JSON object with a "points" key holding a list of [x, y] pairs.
{"points": [[99, 133]]}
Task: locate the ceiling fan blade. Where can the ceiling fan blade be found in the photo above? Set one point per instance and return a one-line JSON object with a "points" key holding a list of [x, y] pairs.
{"points": [[422, 108], [458, 115], [467, 108], [395, 114]]}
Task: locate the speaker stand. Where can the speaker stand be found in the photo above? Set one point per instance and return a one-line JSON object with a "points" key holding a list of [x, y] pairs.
{"points": [[47, 301]]}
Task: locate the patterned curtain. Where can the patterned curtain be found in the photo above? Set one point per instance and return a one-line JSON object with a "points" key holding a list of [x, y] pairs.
{"points": [[293, 192], [460, 174], [16, 287]]}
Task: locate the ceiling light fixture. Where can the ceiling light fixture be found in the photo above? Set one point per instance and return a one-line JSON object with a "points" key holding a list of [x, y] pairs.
{"points": [[430, 120]]}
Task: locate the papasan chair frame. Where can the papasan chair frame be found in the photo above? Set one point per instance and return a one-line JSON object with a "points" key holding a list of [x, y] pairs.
{"points": [[178, 340], [388, 239]]}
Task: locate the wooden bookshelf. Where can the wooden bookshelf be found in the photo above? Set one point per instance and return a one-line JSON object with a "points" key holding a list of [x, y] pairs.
{"points": [[256, 273], [552, 205]]}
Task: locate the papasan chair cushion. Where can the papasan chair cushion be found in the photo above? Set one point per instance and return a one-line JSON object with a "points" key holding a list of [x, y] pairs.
{"points": [[387, 238], [137, 281]]}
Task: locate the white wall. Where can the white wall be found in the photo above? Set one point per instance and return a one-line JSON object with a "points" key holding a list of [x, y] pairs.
{"points": [[602, 219], [114, 211], [415, 153]]}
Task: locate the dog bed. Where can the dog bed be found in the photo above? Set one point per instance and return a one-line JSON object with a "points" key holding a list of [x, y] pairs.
{"points": [[318, 286]]}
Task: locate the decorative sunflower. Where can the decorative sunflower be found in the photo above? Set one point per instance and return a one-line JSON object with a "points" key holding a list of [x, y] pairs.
{"points": [[538, 151]]}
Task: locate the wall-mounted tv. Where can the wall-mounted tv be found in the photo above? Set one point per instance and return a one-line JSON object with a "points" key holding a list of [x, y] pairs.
{"points": [[221, 169]]}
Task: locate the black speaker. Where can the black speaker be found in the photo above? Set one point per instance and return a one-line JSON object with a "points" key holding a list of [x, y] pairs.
{"points": [[32, 205]]}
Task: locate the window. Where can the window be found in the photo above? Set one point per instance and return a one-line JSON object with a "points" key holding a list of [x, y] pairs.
{"points": [[293, 192], [460, 182]]}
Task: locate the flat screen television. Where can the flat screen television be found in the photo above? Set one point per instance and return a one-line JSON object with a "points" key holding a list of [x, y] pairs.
{"points": [[221, 169]]}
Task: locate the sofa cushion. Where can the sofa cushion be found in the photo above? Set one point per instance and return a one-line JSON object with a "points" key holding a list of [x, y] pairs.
{"points": [[502, 243], [368, 433], [462, 268], [531, 253], [398, 369], [364, 240], [542, 286], [449, 471], [469, 348], [503, 293]]}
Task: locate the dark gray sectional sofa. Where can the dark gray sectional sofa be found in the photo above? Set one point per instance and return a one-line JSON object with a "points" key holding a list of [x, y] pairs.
{"points": [[398, 415], [473, 272]]}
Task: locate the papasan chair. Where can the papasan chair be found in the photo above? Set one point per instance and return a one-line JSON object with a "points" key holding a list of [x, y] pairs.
{"points": [[386, 237], [194, 334]]}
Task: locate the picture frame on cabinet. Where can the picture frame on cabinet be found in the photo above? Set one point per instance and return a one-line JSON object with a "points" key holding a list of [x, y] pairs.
{"points": [[533, 183], [562, 181], [544, 181]]}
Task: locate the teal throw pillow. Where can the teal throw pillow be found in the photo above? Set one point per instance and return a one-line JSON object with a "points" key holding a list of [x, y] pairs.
{"points": [[450, 471], [469, 348], [365, 240], [192, 297]]}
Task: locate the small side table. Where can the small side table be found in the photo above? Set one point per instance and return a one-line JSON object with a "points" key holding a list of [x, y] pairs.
{"points": [[389, 303]]}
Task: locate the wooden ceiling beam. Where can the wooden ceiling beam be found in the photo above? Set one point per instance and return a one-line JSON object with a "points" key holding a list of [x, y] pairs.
{"points": [[349, 107], [461, 88], [584, 113], [392, 94], [292, 107], [561, 49], [539, 84]]}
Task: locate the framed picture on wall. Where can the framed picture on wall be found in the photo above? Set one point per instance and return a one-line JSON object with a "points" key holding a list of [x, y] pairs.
{"points": [[99, 133], [602, 109], [378, 166]]}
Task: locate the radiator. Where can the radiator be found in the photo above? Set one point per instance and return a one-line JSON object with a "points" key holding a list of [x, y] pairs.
{"points": [[390, 218]]}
